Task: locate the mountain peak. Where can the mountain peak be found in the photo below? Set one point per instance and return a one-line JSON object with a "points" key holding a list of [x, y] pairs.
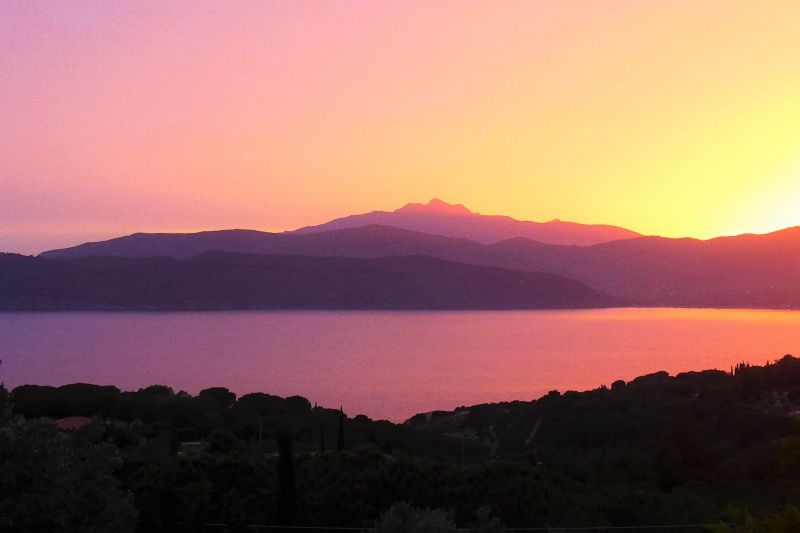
{"points": [[436, 206], [438, 217]]}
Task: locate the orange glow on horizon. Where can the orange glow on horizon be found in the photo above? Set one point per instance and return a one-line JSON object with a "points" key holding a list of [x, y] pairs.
{"points": [[677, 119]]}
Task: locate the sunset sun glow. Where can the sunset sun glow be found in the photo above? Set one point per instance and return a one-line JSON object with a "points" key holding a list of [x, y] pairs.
{"points": [[669, 118], [381, 266]]}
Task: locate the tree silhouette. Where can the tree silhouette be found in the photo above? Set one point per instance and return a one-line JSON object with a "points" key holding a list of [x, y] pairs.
{"points": [[287, 491], [340, 438]]}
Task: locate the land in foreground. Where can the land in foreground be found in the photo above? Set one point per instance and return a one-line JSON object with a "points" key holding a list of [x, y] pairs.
{"points": [[659, 449]]}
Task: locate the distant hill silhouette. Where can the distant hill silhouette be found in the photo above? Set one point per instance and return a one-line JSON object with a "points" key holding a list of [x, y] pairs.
{"points": [[440, 218], [741, 271], [366, 242], [217, 280]]}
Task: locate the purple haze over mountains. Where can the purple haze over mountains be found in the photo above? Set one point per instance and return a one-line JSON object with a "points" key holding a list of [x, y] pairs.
{"points": [[751, 271], [440, 218]]}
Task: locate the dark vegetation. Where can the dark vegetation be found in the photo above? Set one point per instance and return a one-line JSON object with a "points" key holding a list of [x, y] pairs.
{"points": [[700, 447], [219, 281]]}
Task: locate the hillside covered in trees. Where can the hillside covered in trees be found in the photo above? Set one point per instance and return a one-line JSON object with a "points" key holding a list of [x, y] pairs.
{"points": [[659, 449], [224, 281]]}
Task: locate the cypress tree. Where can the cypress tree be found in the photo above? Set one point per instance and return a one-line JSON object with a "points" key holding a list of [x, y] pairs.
{"points": [[287, 491], [340, 439]]}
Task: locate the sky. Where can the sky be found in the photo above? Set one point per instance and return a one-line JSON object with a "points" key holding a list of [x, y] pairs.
{"points": [[677, 118]]}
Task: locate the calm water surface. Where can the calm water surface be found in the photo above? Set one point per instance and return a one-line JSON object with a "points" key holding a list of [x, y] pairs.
{"points": [[386, 364]]}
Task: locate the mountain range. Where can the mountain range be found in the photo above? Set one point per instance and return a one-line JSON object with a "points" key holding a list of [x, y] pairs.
{"points": [[756, 271], [436, 218], [454, 220]]}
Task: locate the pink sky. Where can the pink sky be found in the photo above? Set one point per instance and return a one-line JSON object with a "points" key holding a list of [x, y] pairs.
{"points": [[677, 118]]}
